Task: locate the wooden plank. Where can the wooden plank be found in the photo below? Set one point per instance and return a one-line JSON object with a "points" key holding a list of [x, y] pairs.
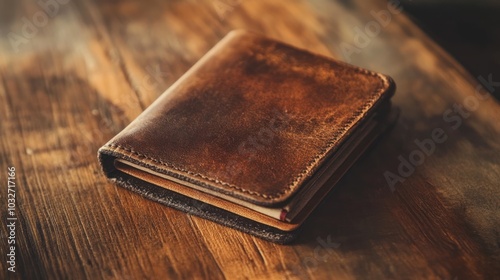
{"points": [[95, 65]]}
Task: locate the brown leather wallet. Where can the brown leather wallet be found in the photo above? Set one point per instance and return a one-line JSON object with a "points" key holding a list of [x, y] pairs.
{"points": [[249, 136]]}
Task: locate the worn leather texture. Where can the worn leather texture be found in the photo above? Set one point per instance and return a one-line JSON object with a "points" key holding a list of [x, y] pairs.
{"points": [[253, 119]]}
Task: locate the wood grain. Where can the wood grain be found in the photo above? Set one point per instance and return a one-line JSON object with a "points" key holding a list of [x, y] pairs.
{"points": [[95, 65]]}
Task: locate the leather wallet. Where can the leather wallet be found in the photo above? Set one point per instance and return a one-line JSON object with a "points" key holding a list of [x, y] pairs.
{"points": [[253, 136]]}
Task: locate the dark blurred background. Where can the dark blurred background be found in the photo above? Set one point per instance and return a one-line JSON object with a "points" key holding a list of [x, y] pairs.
{"points": [[468, 30]]}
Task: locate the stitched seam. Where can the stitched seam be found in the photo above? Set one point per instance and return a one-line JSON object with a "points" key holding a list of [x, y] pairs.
{"points": [[336, 136], [131, 151]]}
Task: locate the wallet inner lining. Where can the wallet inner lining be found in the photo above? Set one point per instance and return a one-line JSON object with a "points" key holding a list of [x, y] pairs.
{"points": [[200, 198], [269, 211]]}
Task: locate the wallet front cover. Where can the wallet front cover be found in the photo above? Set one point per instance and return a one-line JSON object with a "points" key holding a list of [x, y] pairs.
{"points": [[253, 119]]}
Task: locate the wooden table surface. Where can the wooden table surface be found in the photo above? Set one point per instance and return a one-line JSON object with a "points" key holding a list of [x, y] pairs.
{"points": [[74, 73]]}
